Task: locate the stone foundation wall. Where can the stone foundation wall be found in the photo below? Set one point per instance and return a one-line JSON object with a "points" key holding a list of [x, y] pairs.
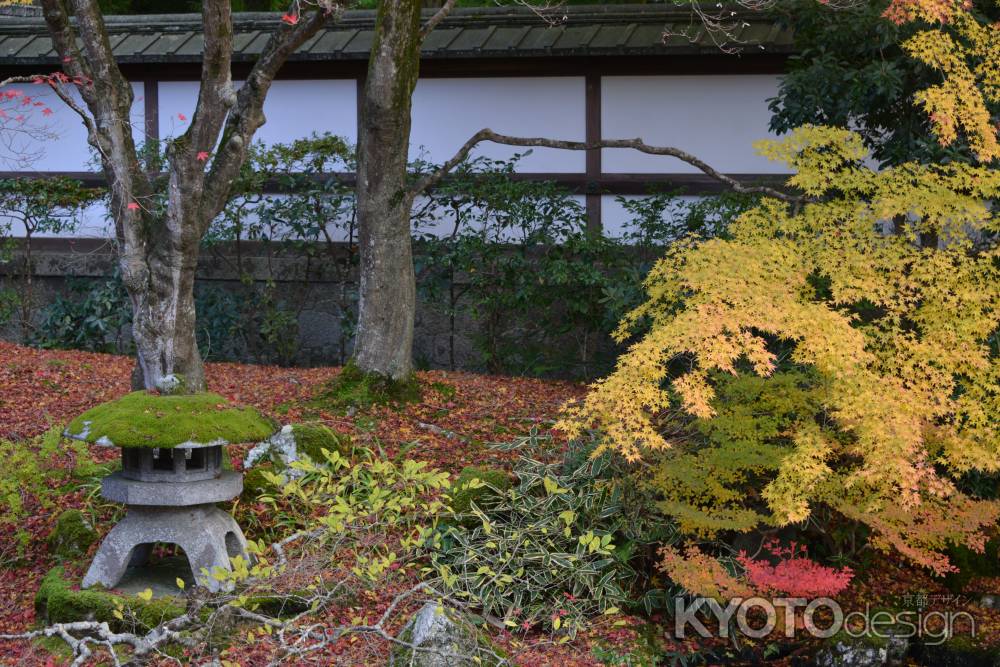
{"points": [[315, 302]]}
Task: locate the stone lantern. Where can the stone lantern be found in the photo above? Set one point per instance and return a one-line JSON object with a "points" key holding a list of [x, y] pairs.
{"points": [[172, 476]]}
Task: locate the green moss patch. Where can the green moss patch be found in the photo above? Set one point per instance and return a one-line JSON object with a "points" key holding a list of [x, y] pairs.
{"points": [[141, 419], [463, 494], [312, 439], [355, 388], [58, 602], [72, 535]]}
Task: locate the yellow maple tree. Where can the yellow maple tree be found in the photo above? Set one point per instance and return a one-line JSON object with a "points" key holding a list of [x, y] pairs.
{"points": [[884, 284]]}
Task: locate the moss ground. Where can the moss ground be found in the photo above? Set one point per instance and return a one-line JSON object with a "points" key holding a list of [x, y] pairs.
{"points": [[355, 388], [58, 601]]}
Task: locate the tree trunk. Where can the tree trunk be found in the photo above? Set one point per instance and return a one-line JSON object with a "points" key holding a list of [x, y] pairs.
{"points": [[387, 298], [163, 315]]}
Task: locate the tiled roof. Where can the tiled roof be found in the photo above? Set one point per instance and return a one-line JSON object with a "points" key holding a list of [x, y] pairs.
{"points": [[494, 32]]}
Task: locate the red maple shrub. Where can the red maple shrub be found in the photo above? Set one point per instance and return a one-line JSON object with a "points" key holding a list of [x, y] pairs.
{"points": [[794, 573]]}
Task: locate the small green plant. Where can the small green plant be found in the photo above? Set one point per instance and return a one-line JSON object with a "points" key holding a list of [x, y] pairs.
{"points": [[368, 493]]}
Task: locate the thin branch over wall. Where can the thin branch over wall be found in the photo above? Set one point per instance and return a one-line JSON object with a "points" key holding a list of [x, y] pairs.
{"points": [[487, 134]]}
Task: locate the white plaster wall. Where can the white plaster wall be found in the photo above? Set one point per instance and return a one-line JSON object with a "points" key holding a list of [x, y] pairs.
{"points": [[56, 142], [294, 109], [715, 117], [446, 112]]}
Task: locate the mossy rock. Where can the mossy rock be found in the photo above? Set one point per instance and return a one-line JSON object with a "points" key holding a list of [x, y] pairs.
{"points": [[71, 536], [141, 419], [355, 388], [294, 602], [280, 606], [845, 650], [957, 651], [312, 439], [439, 631], [463, 495], [58, 602]]}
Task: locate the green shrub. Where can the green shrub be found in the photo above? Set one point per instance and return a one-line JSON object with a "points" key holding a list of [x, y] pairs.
{"points": [[554, 550], [972, 564], [543, 289], [93, 314]]}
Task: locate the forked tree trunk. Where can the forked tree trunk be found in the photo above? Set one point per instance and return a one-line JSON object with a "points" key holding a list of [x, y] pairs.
{"points": [[387, 298], [158, 252]]}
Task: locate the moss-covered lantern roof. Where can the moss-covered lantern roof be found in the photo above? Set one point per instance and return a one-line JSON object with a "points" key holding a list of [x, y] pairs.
{"points": [[143, 419]]}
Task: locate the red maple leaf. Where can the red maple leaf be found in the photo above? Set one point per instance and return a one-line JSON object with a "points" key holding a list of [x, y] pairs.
{"points": [[132, 206], [202, 156], [181, 117], [290, 19]]}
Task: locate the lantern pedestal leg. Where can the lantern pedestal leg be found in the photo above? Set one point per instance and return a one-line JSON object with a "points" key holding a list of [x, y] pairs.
{"points": [[208, 536]]}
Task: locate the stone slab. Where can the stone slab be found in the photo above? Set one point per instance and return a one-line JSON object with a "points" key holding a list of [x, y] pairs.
{"points": [[119, 489]]}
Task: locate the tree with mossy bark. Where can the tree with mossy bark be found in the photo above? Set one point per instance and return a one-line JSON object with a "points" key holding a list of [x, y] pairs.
{"points": [[386, 191], [159, 223]]}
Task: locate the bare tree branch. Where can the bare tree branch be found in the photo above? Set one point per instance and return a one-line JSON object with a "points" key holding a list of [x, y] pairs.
{"points": [[439, 16], [215, 94], [637, 144], [247, 114], [293, 639], [108, 96]]}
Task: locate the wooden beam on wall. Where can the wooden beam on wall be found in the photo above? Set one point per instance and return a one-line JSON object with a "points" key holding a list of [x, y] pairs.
{"points": [[592, 111]]}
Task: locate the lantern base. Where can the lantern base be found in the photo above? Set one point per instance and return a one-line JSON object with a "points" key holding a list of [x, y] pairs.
{"points": [[208, 536]]}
